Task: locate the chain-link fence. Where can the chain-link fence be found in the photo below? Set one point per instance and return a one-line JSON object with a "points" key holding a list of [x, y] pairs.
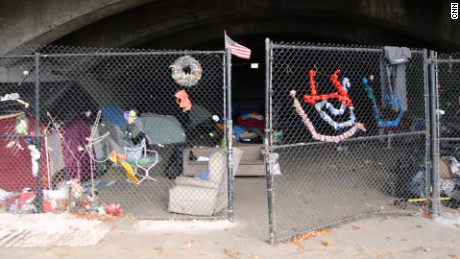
{"points": [[347, 134], [99, 131], [448, 75], [106, 130]]}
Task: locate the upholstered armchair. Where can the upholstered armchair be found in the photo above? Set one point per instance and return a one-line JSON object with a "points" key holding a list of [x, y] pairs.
{"points": [[206, 194]]}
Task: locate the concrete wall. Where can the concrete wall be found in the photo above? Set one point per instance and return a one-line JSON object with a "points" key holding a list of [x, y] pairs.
{"points": [[44, 21]]}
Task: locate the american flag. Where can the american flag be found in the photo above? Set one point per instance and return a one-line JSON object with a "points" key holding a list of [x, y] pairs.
{"points": [[237, 49]]}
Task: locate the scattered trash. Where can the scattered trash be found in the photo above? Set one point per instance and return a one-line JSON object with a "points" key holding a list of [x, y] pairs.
{"points": [[326, 242], [4, 195], [188, 244], [113, 209]]}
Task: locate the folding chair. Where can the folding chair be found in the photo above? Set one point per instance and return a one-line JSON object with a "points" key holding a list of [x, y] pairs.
{"points": [[139, 157]]}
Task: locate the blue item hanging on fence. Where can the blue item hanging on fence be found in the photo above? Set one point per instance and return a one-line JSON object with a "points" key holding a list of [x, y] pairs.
{"points": [[375, 111]]}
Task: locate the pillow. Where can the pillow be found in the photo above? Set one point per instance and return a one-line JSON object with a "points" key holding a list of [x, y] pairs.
{"points": [[217, 166]]}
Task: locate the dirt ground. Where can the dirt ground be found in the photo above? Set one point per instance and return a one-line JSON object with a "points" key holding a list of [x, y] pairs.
{"points": [[246, 237]]}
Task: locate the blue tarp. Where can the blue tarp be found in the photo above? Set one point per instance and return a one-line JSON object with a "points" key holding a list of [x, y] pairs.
{"points": [[114, 114]]}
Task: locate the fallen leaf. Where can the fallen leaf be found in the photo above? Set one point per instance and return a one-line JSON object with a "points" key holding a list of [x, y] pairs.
{"points": [[300, 246], [457, 225], [188, 244], [231, 254], [426, 212], [454, 256], [356, 227], [325, 242], [159, 249], [404, 239], [418, 226], [427, 249], [202, 253], [308, 235], [368, 205]]}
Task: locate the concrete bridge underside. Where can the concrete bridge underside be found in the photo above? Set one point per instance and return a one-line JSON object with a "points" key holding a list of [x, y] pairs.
{"points": [[199, 24]]}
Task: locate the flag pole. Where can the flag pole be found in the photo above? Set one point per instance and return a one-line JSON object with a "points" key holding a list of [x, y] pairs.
{"points": [[229, 126]]}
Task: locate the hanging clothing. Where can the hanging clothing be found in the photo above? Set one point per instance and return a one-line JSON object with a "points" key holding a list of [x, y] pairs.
{"points": [[393, 75]]}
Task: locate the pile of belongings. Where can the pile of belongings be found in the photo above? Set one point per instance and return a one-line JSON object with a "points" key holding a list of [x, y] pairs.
{"points": [[449, 181]]}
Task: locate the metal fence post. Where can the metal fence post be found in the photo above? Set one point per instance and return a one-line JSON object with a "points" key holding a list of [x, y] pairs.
{"points": [[229, 126], [434, 135], [427, 84], [39, 193], [267, 142]]}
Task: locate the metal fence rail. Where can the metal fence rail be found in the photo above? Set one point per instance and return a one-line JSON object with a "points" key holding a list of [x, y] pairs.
{"points": [[112, 127], [353, 135]]}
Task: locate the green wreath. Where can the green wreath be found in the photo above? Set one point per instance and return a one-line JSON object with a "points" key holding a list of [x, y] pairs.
{"points": [[186, 71]]}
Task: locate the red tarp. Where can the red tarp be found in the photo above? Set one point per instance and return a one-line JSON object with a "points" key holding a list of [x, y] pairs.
{"points": [[16, 163]]}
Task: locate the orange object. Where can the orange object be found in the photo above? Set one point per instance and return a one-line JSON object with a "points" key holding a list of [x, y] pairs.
{"points": [[183, 101], [46, 206], [115, 157], [220, 127]]}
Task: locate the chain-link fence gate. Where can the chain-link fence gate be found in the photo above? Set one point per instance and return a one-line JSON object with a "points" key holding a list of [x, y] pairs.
{"points": [[105, 130], [448, 76], [346, 132]]}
